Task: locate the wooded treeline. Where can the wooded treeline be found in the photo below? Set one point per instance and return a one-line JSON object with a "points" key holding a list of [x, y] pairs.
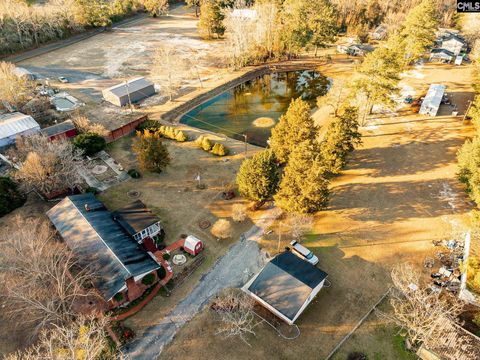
{"points": [[23, 26]]}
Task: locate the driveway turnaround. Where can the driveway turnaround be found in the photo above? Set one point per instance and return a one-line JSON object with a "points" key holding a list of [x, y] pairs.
{"points": [[242, 260]]}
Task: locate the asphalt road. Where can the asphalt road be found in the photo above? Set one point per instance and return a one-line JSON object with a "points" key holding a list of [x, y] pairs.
{"points": [[242, 261]]}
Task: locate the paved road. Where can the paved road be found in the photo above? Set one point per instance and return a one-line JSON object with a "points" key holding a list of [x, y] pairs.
{"points": [[243, 260]]}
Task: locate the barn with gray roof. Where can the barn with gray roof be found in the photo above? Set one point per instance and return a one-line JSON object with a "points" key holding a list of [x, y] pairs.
{"points": [[128, 92]]}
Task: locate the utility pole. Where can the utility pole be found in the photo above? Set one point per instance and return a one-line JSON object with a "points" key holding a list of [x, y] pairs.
{"points": [[468, 109], [128, 94], [245, 137]]}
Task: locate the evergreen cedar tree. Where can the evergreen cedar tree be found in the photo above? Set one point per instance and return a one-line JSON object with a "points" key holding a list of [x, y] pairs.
{"points": [[294, 127], [10, 197], [304, 185], [418, 30], [340, 139], [258, 177], [152, 155], [90, 143]]}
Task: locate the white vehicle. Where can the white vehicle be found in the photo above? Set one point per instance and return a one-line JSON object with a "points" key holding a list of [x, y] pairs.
{"points": [[63, 79], [303, 253]]}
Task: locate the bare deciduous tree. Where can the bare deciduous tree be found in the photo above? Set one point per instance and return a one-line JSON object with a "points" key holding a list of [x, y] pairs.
{"points": [[335, 97], [300, 225], [84, 338], [235, 313], [15, 90], [417, 308], [46, 165], [41, 281], [168, 70], [239, 212], [222, 229], [84, 125]]}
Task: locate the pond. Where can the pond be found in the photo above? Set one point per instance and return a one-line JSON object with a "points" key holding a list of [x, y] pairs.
{"points": [[254, 107]]}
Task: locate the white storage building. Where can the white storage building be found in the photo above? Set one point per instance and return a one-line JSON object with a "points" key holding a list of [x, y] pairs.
{"points": [[130, 91], [433, 99], [16, 124]]}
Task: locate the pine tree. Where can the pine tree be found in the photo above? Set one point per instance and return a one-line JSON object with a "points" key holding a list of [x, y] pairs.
{"points": [[418, 30], [294, 127], [469, 167], [322, 22], [258, 177], [304, 185], [378, 77], [341, 137], [152, 155], [211, 19]]}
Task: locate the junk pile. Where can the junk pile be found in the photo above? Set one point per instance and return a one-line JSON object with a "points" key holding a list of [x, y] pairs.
{"points": [[448, 260]]}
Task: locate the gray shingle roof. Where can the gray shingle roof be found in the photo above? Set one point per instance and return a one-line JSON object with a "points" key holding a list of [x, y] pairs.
{"points": [[59, 128], [135, 217], [100, 242], [286, 282]]}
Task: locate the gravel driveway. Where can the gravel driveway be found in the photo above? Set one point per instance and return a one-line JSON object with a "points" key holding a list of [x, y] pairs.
{"points": [[242, 260]]}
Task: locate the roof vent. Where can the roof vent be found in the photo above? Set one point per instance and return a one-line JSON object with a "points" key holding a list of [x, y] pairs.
{"points": [[94, 207]]}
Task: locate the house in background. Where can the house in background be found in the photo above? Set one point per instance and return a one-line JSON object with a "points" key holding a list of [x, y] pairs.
{"points": [[138, 221], [453, 43], [128, 92], [359, 49], [99, 242], [286, 285], [442, 55], [379, 33], [63, 130], [16, 124]]}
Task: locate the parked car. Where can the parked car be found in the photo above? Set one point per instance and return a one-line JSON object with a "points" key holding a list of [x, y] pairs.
{"points": [[303, 253], [63, 79]]}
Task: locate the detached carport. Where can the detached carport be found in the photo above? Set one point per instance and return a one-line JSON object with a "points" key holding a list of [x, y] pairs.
{"points": [[433, 99]]}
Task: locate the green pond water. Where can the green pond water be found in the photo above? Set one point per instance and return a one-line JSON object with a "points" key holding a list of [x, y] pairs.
{"points": [[254, 107]]}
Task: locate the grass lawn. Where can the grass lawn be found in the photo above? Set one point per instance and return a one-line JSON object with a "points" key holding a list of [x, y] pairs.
{"points": [[174, 197]]}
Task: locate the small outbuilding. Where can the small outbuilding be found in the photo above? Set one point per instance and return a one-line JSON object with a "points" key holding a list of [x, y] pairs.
{"points": [[16, 124], [286, 285], [130, 91], [359, 49], [63, 130], [193, 245], [138, 221], [432, 101]]}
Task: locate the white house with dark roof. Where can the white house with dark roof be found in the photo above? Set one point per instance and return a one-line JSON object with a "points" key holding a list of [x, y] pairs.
{"points": [[453, 43], [286, 285]]}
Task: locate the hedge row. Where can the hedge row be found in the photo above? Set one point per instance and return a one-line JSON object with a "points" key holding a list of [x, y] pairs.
{"points": [[167, 132]]}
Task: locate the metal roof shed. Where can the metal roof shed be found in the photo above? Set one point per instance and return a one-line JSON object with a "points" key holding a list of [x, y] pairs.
{"points": [[16, 124], [433, 99], [130, 91], [286, 285]]}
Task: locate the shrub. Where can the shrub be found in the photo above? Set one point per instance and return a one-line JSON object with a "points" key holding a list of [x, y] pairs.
{"points": [[92, 190], [222, 229], [118, 297], [148, 279], [90, 143], [133, 173], [161, 273], [219, 149], [199, 141], [239, 212], [150, 125], [181, 137], [206, 144], [10, 197], [166, 256]]}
